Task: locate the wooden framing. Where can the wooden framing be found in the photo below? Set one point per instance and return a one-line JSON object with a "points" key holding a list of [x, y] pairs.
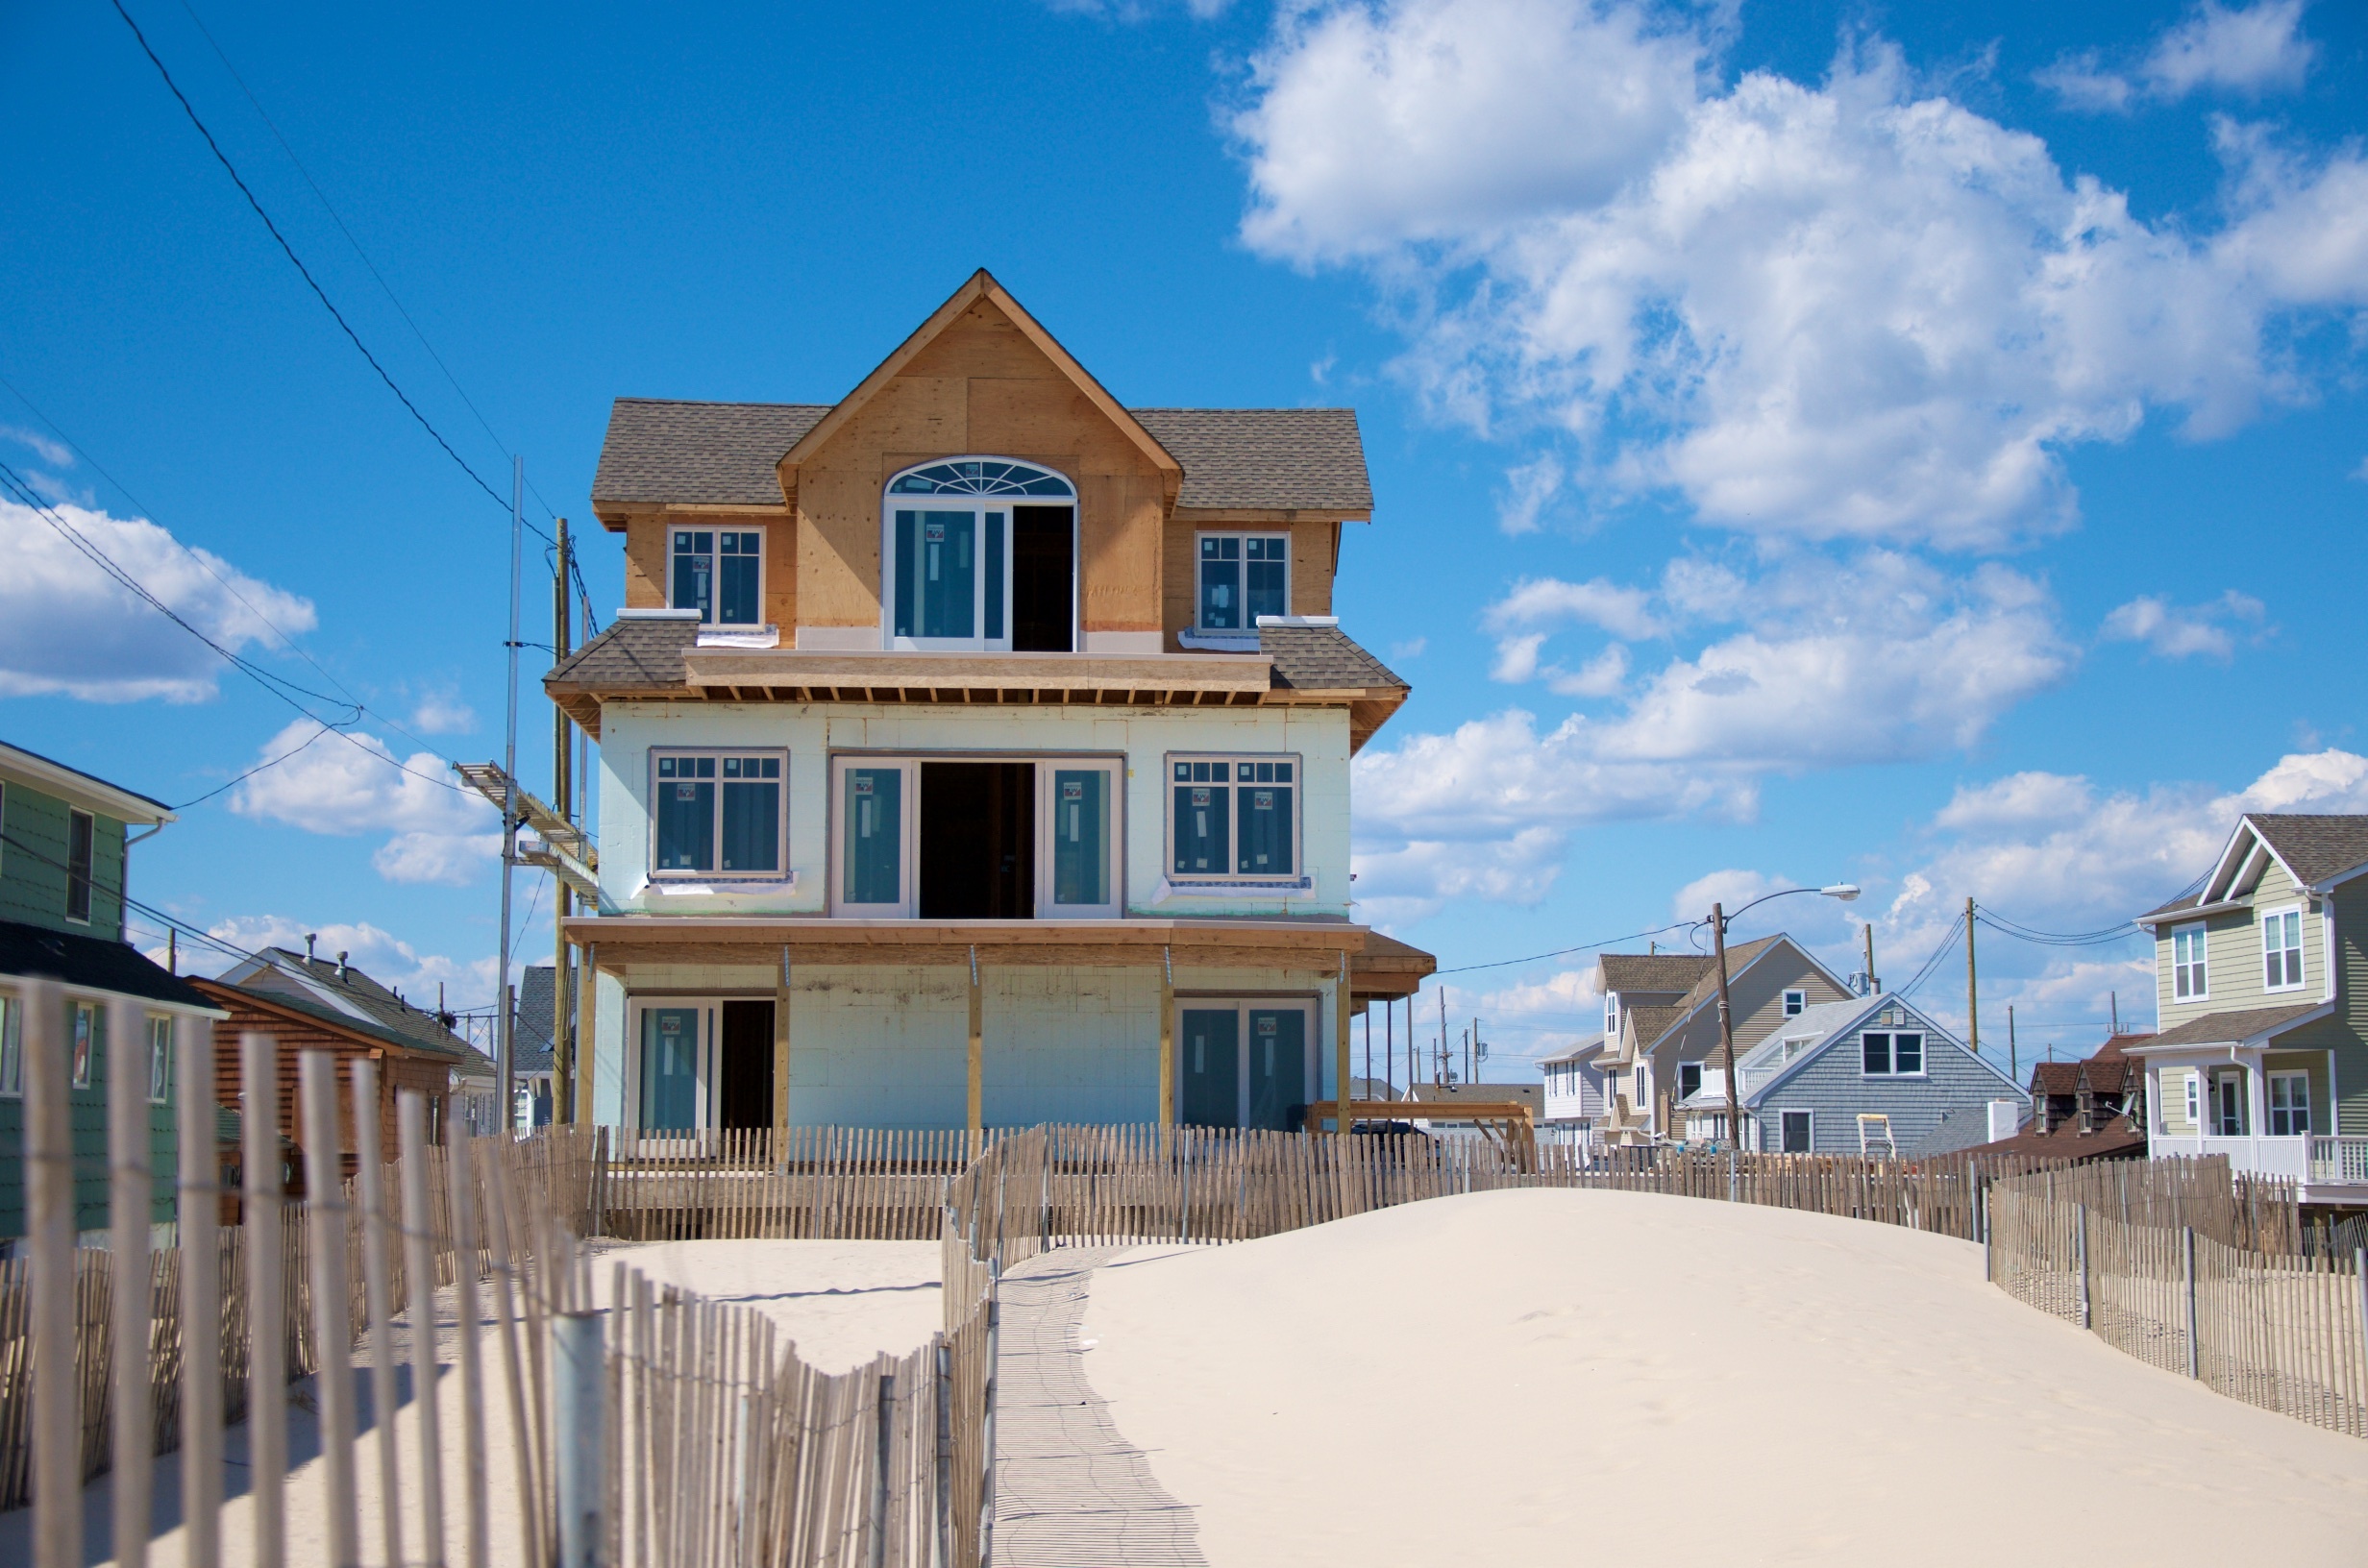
{"points": [[781, 1046], [627, 940]]}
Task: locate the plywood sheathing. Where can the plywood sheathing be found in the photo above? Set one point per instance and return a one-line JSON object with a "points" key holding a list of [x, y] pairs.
{"points": [[980, 376]]}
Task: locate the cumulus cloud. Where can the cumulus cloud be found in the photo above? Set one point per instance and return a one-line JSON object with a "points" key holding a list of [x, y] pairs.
{"points": [[385, 957], [67, 627], [1535, 601], [2251, 49], [437, 833], [443, 713], [2178, 631], [1855, 310], [1401, 879]]}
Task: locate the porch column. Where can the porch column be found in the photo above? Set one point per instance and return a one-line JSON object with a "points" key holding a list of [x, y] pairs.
{"points": [[1166, 1037], [780, 1058], [587, 1035], [1339, 1048], [977, 1065], [2257, 1101]]}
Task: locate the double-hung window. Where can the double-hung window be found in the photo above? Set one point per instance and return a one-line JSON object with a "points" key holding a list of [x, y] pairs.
{"points": [[2289, 1104], [1689, 1080], [2188, 980], [1796, 1003], [1892, 1054], [718, 814], [81, 833], [2281, 949], [1233, 818], [721, 573], [2195, 1096], [160, 1058], [1242, 577]]}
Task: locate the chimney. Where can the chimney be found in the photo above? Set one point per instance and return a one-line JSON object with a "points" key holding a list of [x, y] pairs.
{"points": [[341, 964], [2005, 1116], [310, 936]]}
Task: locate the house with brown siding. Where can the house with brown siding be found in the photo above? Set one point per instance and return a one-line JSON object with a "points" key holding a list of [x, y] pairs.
{"points": [[306, 1003]]}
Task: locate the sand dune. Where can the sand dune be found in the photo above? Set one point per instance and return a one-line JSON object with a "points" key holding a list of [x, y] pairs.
{"points": [[1545, 1375]]}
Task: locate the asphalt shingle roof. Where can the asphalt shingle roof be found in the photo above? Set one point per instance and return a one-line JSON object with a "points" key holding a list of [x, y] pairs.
{"points": [[361, 1003], [1671, 972], [38, 952], [663, 452], [2227, 1028], [2314, 848], [530, 1041], [1322, 658]]}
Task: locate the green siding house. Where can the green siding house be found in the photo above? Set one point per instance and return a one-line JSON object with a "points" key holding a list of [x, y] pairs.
{"points": [[63, 841], [2261, 987]]}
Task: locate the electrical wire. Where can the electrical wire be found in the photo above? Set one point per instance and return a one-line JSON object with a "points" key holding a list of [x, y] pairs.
{"points": [[1559, 952], [319, 293], [2055, 939], [337, 218], [1948, 944]]}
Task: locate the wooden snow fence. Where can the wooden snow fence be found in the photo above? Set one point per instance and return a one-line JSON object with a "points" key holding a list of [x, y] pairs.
{"points": [[846, 1183], [2280, 1328]]}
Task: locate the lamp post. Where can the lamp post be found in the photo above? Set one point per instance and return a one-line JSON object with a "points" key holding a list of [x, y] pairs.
{"points": [[1844, 890]]}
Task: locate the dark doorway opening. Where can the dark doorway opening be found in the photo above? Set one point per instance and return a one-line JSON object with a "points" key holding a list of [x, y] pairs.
{"points": [[744, 1097], [1044, 575], [978, 841]]}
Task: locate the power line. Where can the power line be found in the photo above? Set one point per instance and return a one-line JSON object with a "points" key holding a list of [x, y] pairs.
{"points": [[1559, 952], [2056, 939], [337, 218], [290, 251], [1948, 945]]}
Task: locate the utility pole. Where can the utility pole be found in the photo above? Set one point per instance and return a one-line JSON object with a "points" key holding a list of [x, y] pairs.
{"points": [[1440, 1074], [1726, 1028], [563, 898], [2014, 1068], [505, 1064], [1874, 986], [1973, 1014]]}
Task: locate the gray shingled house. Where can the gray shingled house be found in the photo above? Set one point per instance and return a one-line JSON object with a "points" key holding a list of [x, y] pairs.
{"points": [[974, 751]]}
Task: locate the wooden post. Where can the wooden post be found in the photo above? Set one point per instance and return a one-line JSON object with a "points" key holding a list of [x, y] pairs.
{"points": [[258, 1122], [587, 1041], [2079, 1256], [1973, 1010], [1726, 1027], [1339, 1048], [332, 1309], [562, 797], [201, 1295], [131, 1196], [1167, 1040], [2187, 1259], [378, 1287], [49, 1177], [579, 1390], [780, 1058], [977, 1066]]}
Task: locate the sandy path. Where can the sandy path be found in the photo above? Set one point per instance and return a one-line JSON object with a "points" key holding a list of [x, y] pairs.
{"points": [[842, 1302], [1533, 1375]]}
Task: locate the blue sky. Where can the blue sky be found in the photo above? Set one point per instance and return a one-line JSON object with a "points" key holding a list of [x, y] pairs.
{"points": [[1922, 447]]}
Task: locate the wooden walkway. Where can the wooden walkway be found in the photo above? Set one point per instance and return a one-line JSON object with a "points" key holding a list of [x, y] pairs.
{"points": [[1071, 1490]]}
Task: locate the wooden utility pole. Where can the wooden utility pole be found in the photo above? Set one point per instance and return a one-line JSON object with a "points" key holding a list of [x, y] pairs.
{"points": [[2013, 1065], [1874, 986], [1440, 1073], [562, 801], [1973, 1011], [1726, 1028]]}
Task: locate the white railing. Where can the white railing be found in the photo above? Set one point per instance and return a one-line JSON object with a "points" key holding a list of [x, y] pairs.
{"points": [[2290, 1158], [2339, 1159]]}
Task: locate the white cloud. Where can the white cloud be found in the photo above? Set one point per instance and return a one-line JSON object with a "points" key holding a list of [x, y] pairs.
{"points": [[438, 834], [2178, 631], [442, 713], [67, 627], [40, 446], [1602, 676], [2251, 49], [1529, 487], [384, 957], [1433, 120], [1851, 311], [1405, 879], [1537, 602], [1411, 648], [1730, 889]]}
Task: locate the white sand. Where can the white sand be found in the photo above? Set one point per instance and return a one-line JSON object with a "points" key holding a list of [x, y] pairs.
{"points": [[843, 1302], [1551, 1376]]}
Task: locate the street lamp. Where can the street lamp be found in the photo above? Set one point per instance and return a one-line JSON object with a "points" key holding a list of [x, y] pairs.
{"points": [[1844, 890]]}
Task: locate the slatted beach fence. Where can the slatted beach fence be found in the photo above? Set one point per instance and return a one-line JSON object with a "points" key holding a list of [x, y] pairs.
{"points": [[2277, 1327]]}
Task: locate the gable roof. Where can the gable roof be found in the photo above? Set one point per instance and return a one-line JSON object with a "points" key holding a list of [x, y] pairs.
{"points": [[1764, 1068], [1741, 958], [979, 287], [80, 789], [1586, 1050], [1265, 458], [35, 952], [1671, 972], [2315, 850], [2237, 1026], [660, 451], [350, 1001]]}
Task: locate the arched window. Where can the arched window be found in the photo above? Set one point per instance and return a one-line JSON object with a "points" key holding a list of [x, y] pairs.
{"points": [[979, 554]]}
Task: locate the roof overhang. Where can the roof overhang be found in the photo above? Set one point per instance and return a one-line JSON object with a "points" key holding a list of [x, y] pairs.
{"points": [[77, 788], [2259, 1040], [830, 674], [2195, 912]]}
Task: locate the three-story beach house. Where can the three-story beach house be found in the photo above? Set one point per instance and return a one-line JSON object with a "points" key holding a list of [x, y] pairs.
{"points": [[2262, 983], [974, 752]]}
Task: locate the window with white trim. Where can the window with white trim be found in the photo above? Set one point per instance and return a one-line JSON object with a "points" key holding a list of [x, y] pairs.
{"points": [[1796, 1003], [1241, 577], [2281, 949], [1796, 1130], [1689, 1079], [2289, 1104], [12, 1045], [1611, 1016], [951, 532], [1233, 818], [719, 573], [1892, 1054], [160, 1058], [2189, 979], [85, 1021], [718, 814], [952, 837], [2195, 1096]]}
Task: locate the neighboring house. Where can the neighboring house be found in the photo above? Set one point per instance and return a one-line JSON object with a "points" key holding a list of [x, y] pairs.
{"points": [[1573, 1084], [1865, 1074], [531, 1051], [65, 845], [974, 752], [1439, 1100], [1660, 1028], [2092, 1109], [2262, 988], [310, 1003]]}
